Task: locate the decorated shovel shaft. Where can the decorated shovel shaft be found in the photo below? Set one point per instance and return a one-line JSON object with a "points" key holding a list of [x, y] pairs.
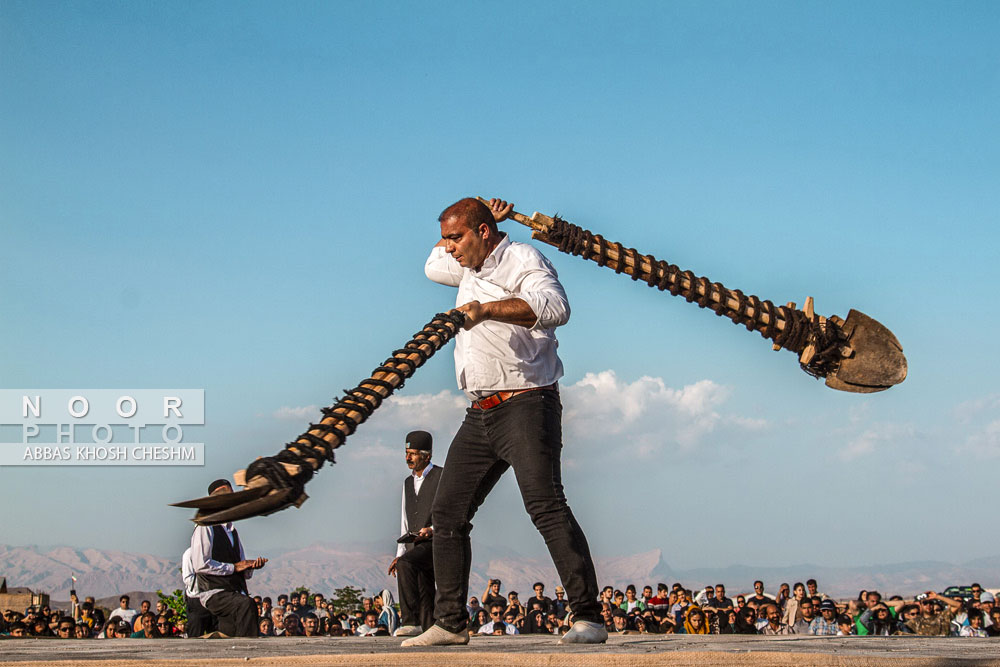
{"points": [[273, 483], [826, 346]]}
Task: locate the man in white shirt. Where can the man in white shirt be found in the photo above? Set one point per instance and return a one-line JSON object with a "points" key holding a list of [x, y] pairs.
{"points": [[506, 363], [221, 570], [414, 562], [496, 620], [124, 612]]}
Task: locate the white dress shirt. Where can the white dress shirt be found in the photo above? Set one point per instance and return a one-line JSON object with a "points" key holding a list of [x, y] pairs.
{"points": [[493, 356], [404, 528], [201, 558]]}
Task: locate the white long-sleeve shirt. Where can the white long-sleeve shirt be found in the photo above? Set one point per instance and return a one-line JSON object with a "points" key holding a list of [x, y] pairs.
{"points": [[493, 356], [404, 528], [202, 562]]}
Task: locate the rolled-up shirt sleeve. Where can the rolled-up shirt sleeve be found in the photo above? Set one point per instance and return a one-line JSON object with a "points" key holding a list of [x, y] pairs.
{"points": [[541, 290], [442, 268]]}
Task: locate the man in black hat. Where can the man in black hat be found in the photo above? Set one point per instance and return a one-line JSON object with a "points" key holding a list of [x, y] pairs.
{"points": [[221, 570], [414, 562]]}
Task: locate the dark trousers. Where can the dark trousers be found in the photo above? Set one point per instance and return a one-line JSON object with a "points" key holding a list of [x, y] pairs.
{"points": [[415, 580], [523, 433], [199, 620], [236, 613]]}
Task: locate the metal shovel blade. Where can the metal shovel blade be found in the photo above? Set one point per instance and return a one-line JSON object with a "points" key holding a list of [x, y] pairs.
{"points": [[224, 500], [877, 360], [272, 502]]}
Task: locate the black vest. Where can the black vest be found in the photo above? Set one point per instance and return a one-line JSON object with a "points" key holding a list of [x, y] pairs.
{"points": [[224, 552], [418, 505]]}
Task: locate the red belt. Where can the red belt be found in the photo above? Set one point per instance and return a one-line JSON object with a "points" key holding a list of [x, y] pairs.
{"points": [[496, 399]]}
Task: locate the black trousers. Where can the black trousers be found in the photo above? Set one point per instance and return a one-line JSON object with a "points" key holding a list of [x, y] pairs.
{"points": [[199, 620], [415, 581], [236, 613], [523, 433]]}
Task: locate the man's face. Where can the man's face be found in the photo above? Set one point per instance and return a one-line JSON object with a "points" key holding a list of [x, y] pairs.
{"points": [[720, 592], [416, 459], [303, 600], [647, 592], [292, 625], [872, 599], [828, 614], [928, 608], [560, 594], [758, 588], [19, 632], [619, 623], [977, 591], [66, 630], [317, 601], [366, 604], [310, 626], [147, 623], [773, 617], [124, 603], [509, 619], [495, 587], [496, 613], [812, 588], [807, 609], [469, 247], [144, 606], [278, 616], [82, 632], [539, 590]]}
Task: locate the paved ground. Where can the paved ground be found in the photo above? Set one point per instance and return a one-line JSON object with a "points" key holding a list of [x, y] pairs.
{"points": [[628, 650]]}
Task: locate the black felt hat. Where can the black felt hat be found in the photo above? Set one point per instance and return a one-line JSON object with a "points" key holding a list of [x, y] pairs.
{"points": [[421, 440], [216, 484]]}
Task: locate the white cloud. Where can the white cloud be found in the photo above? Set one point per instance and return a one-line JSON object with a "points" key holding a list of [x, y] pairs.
{"points": [[286, 413], [643, 416], [880, 435], [646, 415]]}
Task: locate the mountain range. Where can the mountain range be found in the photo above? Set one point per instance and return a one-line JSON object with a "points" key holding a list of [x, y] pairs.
{"points": [[325, 566]]}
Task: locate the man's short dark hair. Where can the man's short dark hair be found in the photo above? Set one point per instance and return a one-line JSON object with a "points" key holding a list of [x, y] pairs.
{"points": [[370, 612], [472, 211], [811, 582], [758, 582], [497, 606], [537, 584], [310, 615], [124, 597], [661, 586]]}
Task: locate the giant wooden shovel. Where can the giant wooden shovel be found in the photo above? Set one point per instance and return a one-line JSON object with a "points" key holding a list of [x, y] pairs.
{"points": [[858, 354], [275, 482]]}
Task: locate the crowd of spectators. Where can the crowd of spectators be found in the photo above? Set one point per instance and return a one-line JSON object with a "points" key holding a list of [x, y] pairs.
{"points": [[796, 609]]}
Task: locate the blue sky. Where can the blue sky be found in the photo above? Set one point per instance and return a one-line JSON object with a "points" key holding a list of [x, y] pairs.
{"points": [[239, 197]]}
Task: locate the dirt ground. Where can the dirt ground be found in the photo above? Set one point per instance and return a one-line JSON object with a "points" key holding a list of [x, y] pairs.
{"points": [[620, 651]]}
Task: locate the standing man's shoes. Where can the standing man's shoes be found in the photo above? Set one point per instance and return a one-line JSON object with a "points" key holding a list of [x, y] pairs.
{"points": [[585, 632], [438, 636], [408, 631]]}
